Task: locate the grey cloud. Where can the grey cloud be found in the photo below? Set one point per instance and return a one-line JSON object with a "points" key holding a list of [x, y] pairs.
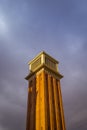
{"points": [[12, 116], [58, 28]]}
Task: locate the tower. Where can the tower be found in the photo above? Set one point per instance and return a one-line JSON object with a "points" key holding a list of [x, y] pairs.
{"points": [[45, 108]]}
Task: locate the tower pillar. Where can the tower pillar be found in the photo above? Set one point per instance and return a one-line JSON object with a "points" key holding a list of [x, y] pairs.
{"points": [[45, 107]]}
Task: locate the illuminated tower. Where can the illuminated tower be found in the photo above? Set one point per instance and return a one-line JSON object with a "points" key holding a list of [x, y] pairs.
{"points": [[44, 109]]}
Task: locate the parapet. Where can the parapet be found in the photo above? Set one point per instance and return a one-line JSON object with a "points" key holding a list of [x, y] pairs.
{"points": [[43, 59]]}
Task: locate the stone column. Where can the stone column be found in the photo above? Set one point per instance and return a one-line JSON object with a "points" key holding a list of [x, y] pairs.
{"points": [[51, 106], [32, 113], [37, 103], [28, 106], [61, 107], [56, 105], [47, 104], [43, 102]]}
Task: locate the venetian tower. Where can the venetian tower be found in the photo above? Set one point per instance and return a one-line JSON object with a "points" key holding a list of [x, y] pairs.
{"points": [[45, 108]]}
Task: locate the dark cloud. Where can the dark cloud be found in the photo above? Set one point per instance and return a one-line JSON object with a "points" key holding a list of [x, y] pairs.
{"points": [[12, 116], [28, 27]]}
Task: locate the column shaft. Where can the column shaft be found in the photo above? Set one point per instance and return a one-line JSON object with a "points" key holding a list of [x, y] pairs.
{"points": [[47, 104], [37, 104], [43, 102], [40, 102], [51, 103], [28, 107], [32, 113], [61, 106], [58, 123]]}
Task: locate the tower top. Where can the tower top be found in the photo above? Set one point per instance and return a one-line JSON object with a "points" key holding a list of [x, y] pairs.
{"points": [[43, 60], [43, 53]]}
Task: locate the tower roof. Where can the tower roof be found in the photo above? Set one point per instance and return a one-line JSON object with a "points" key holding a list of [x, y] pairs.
{"points": [[43, 60], [46, 54]]}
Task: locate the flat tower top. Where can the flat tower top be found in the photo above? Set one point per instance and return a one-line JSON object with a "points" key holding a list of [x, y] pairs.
{"points": [[41, 53], [43, 59]]}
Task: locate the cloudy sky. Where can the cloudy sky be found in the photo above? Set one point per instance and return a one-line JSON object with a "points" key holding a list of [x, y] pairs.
{"points": [[26, 28]]}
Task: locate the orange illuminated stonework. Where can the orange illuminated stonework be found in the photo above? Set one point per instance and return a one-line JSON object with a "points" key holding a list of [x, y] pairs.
{"points": [[45, 108]]}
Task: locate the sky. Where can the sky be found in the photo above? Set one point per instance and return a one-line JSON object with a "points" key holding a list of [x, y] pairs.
{"points": [[28, 27]]}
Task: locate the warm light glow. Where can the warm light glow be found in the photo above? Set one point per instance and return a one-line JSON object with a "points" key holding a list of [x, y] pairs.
{"points": [[3, 26]]}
